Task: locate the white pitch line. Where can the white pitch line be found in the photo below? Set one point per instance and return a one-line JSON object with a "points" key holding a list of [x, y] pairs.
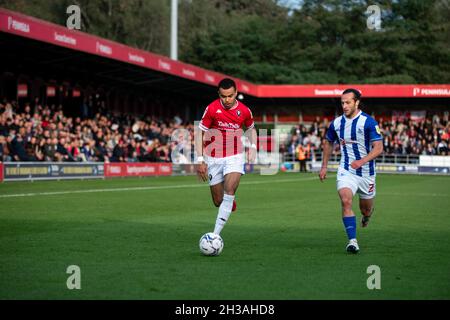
{"points": [[144, 188], [415, 194]]}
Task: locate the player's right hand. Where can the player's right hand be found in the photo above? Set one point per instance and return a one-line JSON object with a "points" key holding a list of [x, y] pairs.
{"points": [[323, 174], [202, 170]]}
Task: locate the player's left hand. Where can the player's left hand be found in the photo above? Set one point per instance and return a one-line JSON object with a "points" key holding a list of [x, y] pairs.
{"points": [[202, 170], [323, 174], [251, 155], [357, 164]]}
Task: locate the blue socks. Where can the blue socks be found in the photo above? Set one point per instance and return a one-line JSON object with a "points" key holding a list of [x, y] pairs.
{"points": [[350, 226]]}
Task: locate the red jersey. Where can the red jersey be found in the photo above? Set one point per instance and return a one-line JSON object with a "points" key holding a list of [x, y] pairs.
{"points": [[224, 128]]}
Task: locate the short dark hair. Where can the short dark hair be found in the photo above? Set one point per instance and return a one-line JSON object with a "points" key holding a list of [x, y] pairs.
{"points": [[355, 92], [227, 83]]}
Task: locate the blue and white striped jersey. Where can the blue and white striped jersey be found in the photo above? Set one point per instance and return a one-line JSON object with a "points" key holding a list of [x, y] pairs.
{"points": [[355, 137]]}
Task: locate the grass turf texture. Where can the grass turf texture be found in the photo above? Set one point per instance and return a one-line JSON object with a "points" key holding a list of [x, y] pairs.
{"points": [[286, 241]]}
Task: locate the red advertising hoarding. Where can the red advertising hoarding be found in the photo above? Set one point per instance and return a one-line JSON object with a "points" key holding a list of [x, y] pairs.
{"points": [[138, 169], [1, 172], [36, 29], [51, 91], [367, 90], [22, 90]]}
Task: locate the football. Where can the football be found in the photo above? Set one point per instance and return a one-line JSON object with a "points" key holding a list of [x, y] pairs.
{"points": [[211, 244]]}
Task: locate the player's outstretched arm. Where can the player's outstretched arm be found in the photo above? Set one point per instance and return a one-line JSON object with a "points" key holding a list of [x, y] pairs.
{"points": [[201, 166], [253, 137], [327, 148]]}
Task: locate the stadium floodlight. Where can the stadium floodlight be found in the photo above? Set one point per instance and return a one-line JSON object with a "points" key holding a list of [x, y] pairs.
{"points": [[174, 30]]}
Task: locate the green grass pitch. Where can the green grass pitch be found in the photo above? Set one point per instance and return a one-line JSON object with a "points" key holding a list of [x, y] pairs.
{"points": [[138, 239]]}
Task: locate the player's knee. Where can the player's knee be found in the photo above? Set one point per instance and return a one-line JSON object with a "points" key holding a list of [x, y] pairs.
{"points": [[366, 210], [346, 202], [217, 201]]}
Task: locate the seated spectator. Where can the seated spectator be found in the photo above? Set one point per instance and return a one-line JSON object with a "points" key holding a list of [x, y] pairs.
{"points": [[18, 149], [4, 150], [62, 151], [118, 154], [50, 150], [30, 148], [101, 154]]}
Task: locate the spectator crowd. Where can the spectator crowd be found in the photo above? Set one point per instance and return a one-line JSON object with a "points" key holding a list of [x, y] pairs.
{"points": [[43, 133], [428, 136]]}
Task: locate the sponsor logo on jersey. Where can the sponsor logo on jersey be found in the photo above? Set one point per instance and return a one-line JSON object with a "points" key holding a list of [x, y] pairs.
{"points": [[228, 125], [349, 141]]}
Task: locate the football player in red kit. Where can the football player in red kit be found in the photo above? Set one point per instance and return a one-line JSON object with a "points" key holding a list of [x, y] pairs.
{"points": [[221, 153]]}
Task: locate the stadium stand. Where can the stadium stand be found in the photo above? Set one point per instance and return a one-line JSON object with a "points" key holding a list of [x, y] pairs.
{"points": [[94, 100], [428, 136], [44, 133]]}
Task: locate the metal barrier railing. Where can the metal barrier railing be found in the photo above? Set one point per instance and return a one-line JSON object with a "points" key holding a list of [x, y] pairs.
{"points": [[384, 158]]}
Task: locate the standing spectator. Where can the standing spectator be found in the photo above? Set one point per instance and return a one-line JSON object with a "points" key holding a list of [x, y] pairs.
{"points": [[292, 147], [301, 157]]}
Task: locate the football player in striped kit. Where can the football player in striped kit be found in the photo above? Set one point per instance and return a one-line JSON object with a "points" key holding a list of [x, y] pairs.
{"points": [[361, 142]]}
